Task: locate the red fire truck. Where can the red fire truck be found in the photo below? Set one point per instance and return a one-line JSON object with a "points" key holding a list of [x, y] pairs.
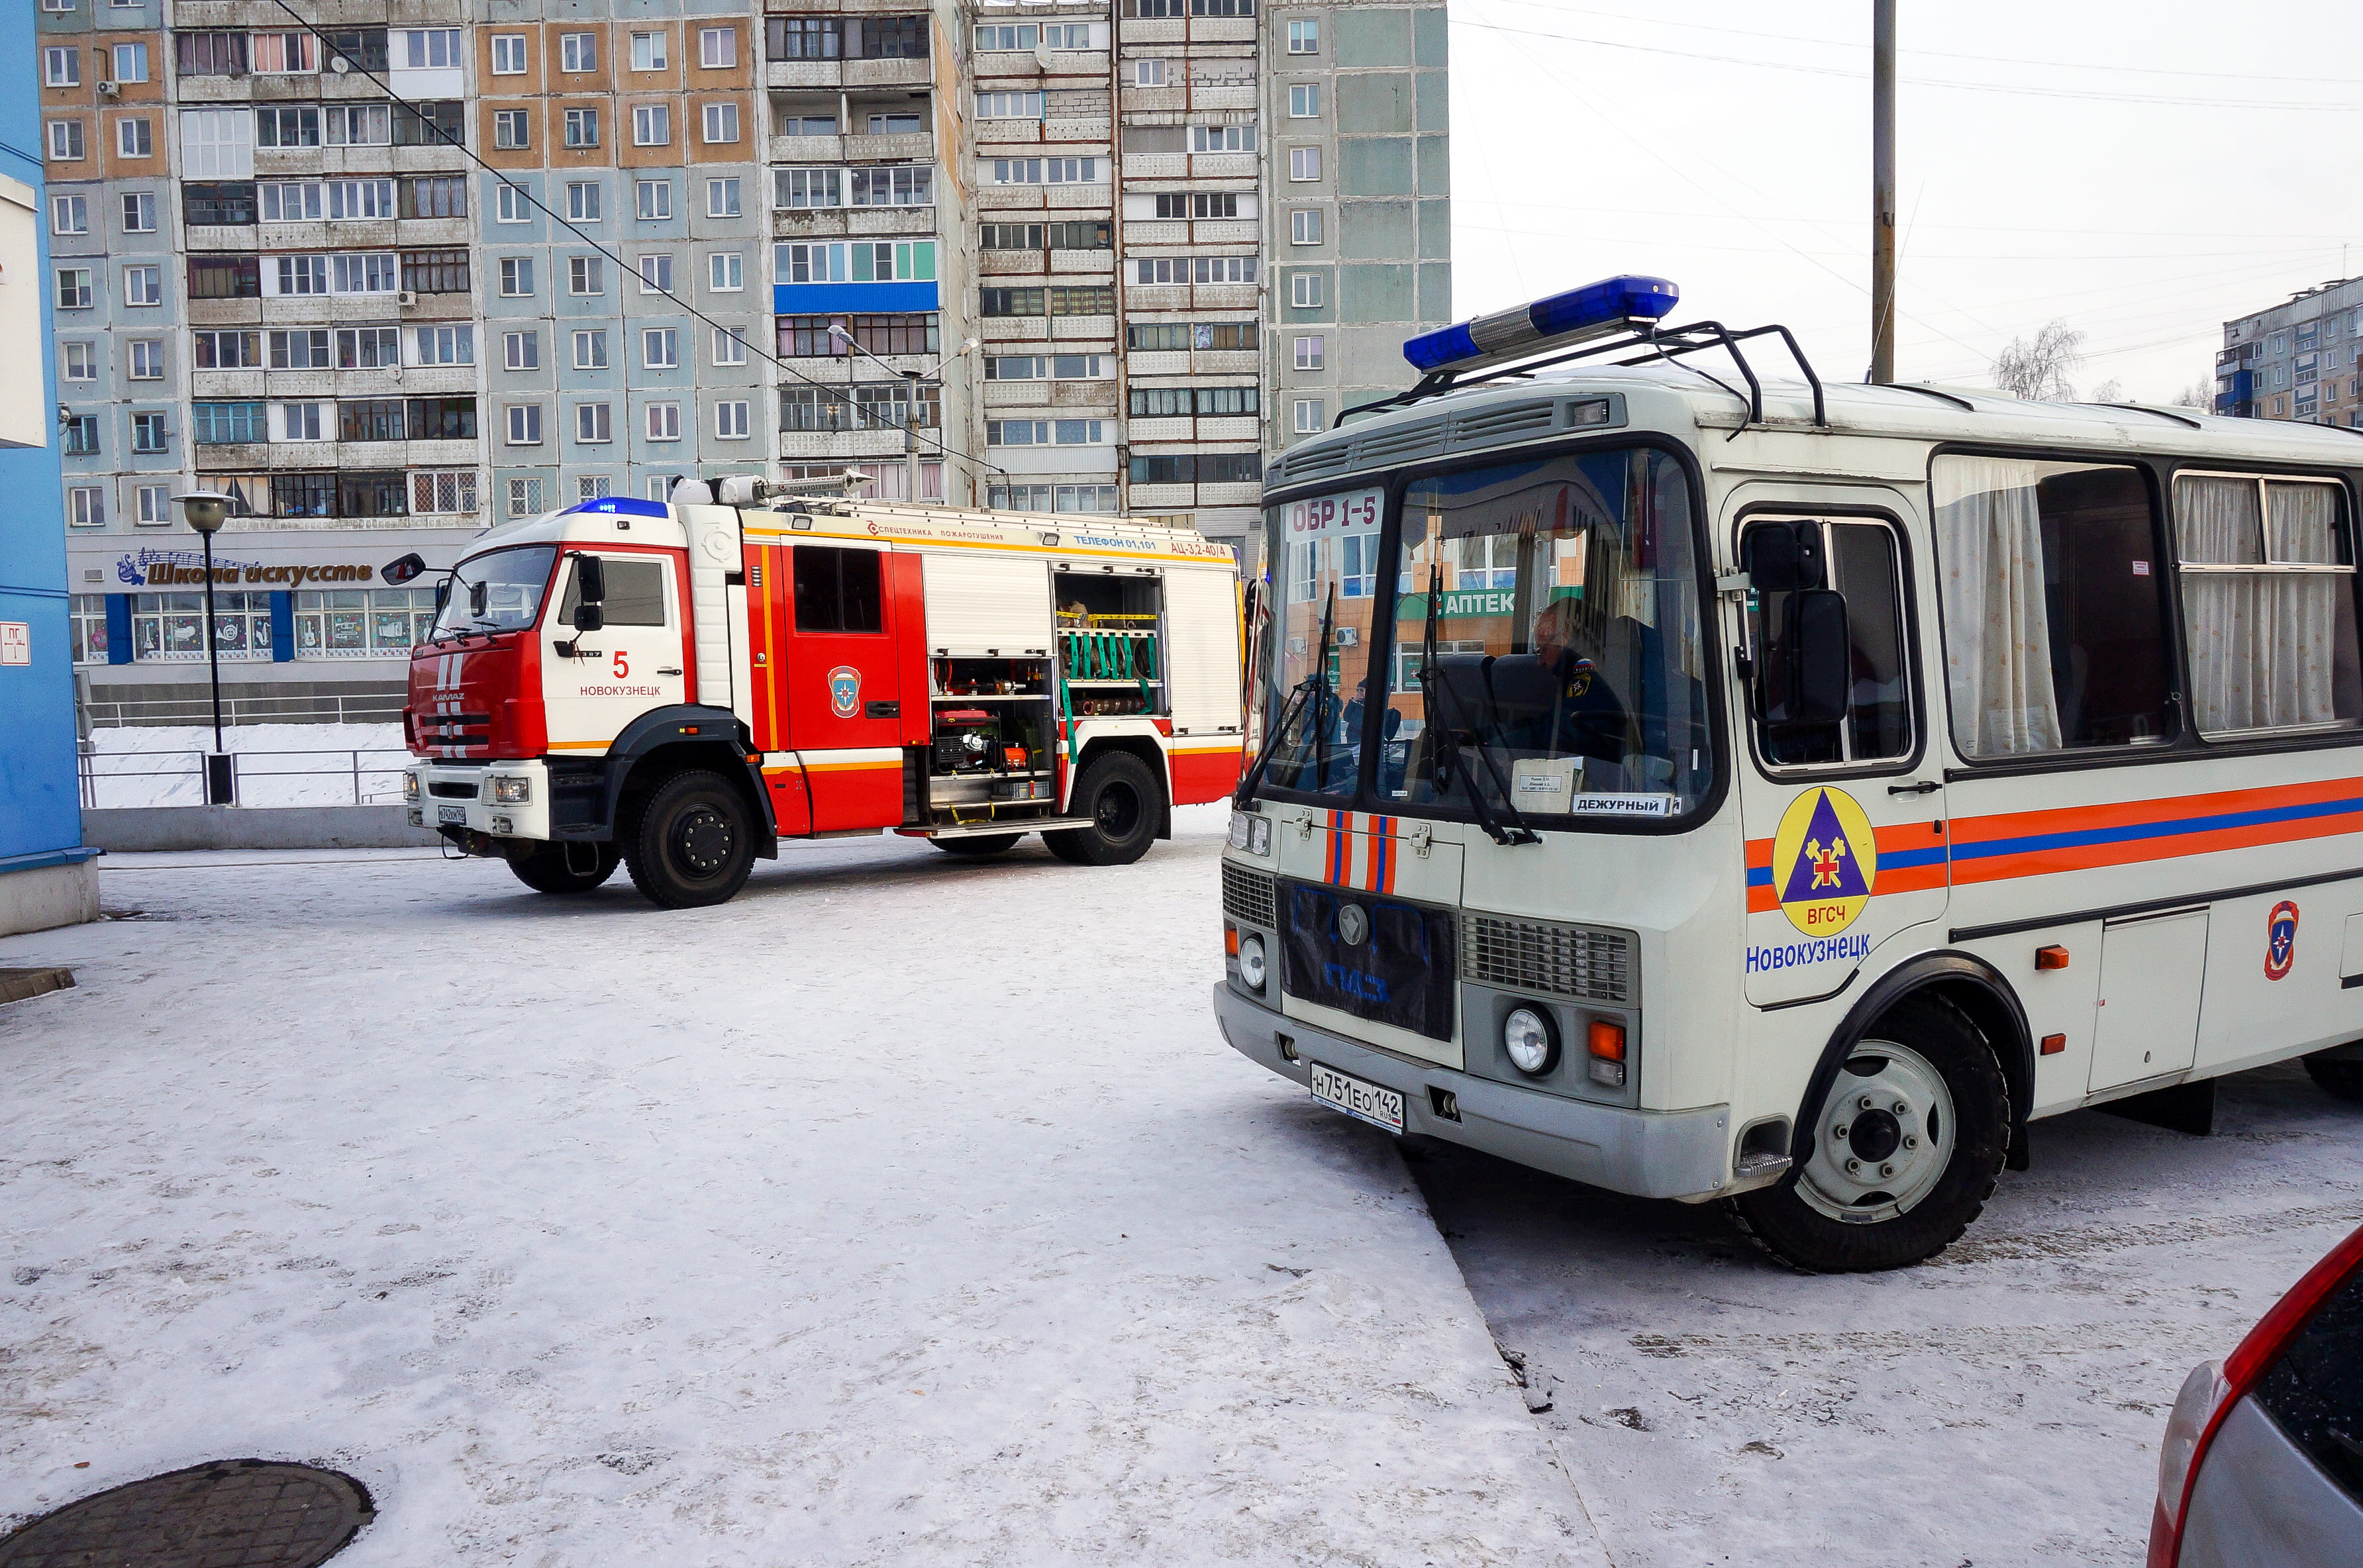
{"points": [[680, 686]]}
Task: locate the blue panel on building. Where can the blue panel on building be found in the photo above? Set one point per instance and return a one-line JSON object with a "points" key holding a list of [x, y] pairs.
{"points": [[832, 299]]}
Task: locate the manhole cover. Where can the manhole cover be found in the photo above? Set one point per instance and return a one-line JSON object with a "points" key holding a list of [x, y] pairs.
{"points": [[232, 1513]]}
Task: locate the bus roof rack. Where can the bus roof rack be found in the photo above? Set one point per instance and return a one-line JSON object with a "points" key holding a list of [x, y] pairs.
{"points": [[1668, 344]]}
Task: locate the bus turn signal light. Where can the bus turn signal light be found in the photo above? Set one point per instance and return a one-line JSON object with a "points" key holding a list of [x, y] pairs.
{"points": [[2052, 957], [1607, 1040], [2054, 1044]]}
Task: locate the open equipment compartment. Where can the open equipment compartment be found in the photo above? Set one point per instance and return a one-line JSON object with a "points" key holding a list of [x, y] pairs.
{"points": [[992, 752], [1111, 640]]}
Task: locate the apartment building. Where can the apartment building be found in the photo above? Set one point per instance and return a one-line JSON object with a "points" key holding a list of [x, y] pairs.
{"points": [[2301, 359], [1071, 256]]}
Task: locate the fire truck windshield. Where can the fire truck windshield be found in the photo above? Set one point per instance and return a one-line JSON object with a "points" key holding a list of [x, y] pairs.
{"points": [[499, 591]]}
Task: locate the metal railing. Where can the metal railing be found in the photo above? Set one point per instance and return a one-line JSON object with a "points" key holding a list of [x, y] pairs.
{"points": [[178, 775], [324, 708]]}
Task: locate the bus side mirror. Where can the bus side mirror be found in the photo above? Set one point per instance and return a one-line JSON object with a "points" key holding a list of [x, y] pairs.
{"points": [[1783, 558], [398, 572], [589, 593], [1821, 658]]}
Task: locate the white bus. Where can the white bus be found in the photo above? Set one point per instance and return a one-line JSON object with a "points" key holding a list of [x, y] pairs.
{"points": [[1711, 787]]}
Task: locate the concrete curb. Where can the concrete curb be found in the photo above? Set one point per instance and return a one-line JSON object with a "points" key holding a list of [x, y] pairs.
{"points": [[137, 828]]}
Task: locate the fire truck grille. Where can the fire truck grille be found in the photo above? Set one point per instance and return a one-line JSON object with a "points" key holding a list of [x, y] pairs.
{"points": [[1248, 898], [1563, 960], [452, 788], [454, 729]]}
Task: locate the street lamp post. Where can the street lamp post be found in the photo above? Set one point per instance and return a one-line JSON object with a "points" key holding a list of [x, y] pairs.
{"points": [[207, 512], [841, 339]]}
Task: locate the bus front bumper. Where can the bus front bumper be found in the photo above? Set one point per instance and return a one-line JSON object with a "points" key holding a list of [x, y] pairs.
{"points": [[1650, 1153]]}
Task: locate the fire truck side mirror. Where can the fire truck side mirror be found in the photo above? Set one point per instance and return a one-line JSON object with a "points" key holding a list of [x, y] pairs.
{"points": [[589, 593], [403, 569], [589, 617]]}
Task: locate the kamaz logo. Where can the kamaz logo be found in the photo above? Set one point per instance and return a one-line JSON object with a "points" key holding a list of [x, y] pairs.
{"points": [[1354, 983]]}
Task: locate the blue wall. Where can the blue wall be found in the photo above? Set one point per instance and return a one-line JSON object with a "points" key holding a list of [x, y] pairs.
{"points": [[41, 815]]}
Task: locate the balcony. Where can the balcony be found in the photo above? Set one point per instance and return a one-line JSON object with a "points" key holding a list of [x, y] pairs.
{"points": [[832, 223], [910, 147], [807, 149], [860, 446]]}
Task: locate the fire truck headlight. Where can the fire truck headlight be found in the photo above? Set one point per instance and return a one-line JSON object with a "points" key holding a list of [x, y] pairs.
{"points": [[410, 786], [1530, 1041], [1252, 962], [512, 791]]}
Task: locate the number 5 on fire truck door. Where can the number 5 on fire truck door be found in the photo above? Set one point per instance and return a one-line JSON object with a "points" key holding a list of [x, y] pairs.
{"points": [[632, 663]]}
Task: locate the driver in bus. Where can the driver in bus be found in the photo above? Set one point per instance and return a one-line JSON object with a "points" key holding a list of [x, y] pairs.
{"points": [[1557, 700]]}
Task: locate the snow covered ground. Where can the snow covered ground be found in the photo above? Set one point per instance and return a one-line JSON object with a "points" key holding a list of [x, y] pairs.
{"points": [[906, 1210], [278, 764]]}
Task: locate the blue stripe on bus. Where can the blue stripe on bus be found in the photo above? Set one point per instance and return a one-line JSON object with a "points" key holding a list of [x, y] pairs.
{"points": [[2034, 843]]}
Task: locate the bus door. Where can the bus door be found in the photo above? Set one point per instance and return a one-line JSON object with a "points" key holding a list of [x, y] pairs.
{"points": [[1842, 796], [844, 684]]}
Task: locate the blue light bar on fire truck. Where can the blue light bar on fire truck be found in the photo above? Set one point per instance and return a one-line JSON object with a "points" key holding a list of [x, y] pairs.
{"points": [[1595, 310]]}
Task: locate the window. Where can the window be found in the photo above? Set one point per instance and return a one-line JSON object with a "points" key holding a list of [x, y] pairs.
{"points": [[1012, 301], [1304, 227], [511, 205], [287, 201], [581, 128], [656, 274], [353, 199], [435, 196], [726, 272], [595, 422], [508, 54], [721, 123], [1209, 467], [453, 345], [58, 5], [303, 422], [582, 201], [364, 274], [78, 361], [153, 504], [305, 348], [895, 185], [87, 507], [204, 203], [1207, 204], [1305, 290], [1091, 300], [524, 424], [718, 48], [807, 336], [356, 125], [651, 125], [664, 421], [525, 494], [1045, 432], [1223, 138], [1168, 401], [210, 54], [590, 351], [81, 435], [1311, 350], [69, 215], [431, 49], [721, 197], [130, 61], [65, 139], [134, 138], [577, 51], [1854, 567], [660, 349], [1304, 38], [837, 590], [895, 38], [521, 350], [729, 344], [586, 275], [1304, 101], [1195, 269], [364, 47], [648, 51], [441, 418], [446, 492], [511, 131], [1046, 171], [148, 433], [516, 276], [143, 285], [731, 422], [227, 351], [804, 125], [1149, 73], [370, 419], [1047, 368], [590, 487], [2053, 606], [807, 187], [1305, 164], [73, 288], [280, 127], [861, 261], [1310, 415], [1081, 233], [2268, 573], [359, 622], [61, 67], [1009, 105], [1008, 37], [221, 424], [1098, 498], [285, 54], [655, 200]]}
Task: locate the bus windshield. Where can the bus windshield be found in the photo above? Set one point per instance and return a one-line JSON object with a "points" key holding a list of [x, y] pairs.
{"points": [[1545, 656], [510, 583]]}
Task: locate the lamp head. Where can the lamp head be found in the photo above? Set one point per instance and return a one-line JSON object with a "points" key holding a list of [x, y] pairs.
{"points": [[206, 510]]}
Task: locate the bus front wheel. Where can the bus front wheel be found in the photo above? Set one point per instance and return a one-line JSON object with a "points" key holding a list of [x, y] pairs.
{"points": [[1905, 1146]]}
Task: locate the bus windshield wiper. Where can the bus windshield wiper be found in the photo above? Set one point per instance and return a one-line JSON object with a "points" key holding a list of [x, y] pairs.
{"points": [[1313, 686], [1503, 824]]}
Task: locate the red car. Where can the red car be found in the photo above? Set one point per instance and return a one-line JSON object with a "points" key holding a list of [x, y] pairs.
{"points": [[2262, 1466]]}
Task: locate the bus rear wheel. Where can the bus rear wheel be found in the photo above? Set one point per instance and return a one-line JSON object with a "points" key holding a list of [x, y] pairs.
{"points": [[692, 843], [566, 868], [1904, 1148], [1121, 796], [2338, 1076]]}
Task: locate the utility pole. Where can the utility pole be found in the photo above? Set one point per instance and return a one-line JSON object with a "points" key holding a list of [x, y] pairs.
{"points": [[1882, 190]]}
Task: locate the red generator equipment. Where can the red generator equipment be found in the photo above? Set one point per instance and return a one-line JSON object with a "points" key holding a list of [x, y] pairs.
{"points": [[677, 686]]}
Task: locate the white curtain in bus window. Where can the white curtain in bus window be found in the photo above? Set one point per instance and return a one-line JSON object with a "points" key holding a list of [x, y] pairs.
{"points": [[2051, 599], [2269, 602]]}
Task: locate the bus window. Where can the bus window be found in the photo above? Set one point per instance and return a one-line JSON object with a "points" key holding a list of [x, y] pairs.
{"points": [[1324, 564], [1569, 662], [2268, 570], [1858, 561], [2053, 623]]}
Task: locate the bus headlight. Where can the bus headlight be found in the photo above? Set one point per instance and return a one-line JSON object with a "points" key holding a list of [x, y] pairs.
{"points": [[1530, 1041], [1252, 962], [1251, 831], [410, 786], [512, 791]]}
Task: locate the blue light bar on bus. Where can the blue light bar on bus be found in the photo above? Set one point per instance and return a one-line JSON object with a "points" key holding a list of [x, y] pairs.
{"points": [[1612, 304], [626, 505]]}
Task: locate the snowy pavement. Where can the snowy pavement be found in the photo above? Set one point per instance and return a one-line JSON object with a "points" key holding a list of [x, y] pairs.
{"points": [[2001, 1405], [907, 1209]]}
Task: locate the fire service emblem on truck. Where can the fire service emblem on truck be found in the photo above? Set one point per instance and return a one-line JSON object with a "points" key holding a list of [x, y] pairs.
{"points": [[1827, 861], [845, 692]]}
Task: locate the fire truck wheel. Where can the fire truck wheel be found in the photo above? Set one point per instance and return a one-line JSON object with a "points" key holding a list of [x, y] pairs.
{"points": [[1906, 1144], [546, 867], [1119, 793], [691, 843], [2341, 1077], [981, 845]]}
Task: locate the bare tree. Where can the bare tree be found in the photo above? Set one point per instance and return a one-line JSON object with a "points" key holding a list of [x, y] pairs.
{"points": [[2200, 394], [2039, 369], [2111, 390]]}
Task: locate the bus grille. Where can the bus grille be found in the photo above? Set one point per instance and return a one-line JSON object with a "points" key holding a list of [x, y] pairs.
{"points": [[1563, 960], [1248, 896]]}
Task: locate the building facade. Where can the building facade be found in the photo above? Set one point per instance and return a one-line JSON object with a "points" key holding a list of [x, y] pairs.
{"points": [[2301, 359], [391, 282]]}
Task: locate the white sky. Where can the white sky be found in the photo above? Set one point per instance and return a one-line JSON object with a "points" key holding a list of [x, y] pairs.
{"points": [[2174, 182]]}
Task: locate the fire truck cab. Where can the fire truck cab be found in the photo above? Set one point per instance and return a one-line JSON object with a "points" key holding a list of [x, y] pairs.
{"points": [[677, 686]]}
